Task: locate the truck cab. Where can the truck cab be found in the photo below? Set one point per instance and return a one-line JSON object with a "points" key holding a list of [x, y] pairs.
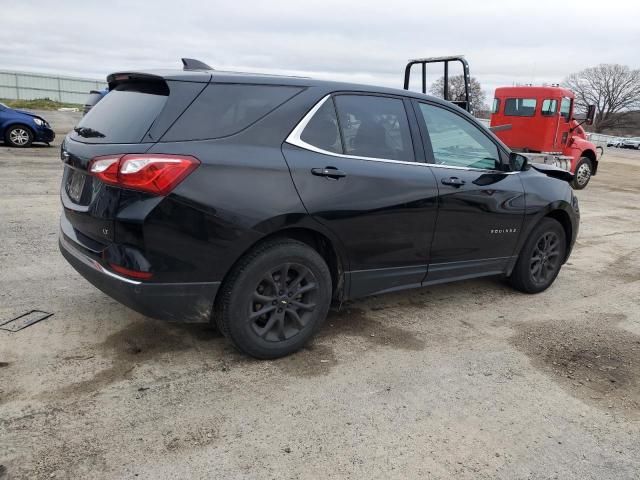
{"points": [[540, 123]]}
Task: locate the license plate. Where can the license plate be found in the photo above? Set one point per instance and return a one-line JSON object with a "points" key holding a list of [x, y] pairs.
{"points": [[76, 185]]}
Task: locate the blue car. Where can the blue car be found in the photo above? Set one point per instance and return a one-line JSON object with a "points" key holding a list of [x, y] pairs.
{"points": [[20, 129], [94, 97]]}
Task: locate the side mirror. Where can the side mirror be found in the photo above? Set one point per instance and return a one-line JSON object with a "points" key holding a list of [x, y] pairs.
{"points": [[591, 114], [517, 162]]}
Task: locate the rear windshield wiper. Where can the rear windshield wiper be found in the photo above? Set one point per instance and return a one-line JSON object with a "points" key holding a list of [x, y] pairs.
{"points": [[88, 132]]}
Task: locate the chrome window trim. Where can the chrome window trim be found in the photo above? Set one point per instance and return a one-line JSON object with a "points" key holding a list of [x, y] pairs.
{"points": [[295, 139]]}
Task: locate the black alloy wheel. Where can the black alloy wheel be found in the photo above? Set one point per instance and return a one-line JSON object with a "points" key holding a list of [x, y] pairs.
{"points": [[283, 302], [275, 298], [545, 260], [541, 257]]}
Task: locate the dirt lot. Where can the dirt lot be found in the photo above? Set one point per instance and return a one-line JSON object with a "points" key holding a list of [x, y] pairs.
{"points": [[468, 380]]}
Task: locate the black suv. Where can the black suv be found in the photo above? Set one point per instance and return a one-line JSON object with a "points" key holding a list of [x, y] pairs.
{"points": [[254, 200]]}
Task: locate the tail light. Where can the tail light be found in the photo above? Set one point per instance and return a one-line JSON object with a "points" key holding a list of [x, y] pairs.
{"points": [[131, 273], [152, 173]]}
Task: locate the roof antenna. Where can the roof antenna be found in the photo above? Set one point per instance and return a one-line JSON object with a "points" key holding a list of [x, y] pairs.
{"points": [[193, 64]]}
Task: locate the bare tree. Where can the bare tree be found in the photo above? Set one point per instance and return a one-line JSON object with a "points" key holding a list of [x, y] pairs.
{"points": [[456, 91], [613, 89]]}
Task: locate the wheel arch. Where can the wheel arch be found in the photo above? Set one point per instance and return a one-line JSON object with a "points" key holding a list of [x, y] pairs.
{"points": [[319, 241], [591, 155], [13, 123], [556, 211], [563, 219]]}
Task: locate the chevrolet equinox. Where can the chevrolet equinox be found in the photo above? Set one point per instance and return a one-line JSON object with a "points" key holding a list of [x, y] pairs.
{"points": [[253, 201]]}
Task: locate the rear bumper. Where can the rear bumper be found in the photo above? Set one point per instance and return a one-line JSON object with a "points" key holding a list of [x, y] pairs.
{"points": [[185, 302]]}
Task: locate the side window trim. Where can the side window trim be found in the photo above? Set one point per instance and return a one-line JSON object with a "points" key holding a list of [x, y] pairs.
{"points": [[295, 139], [335, 109], [428, 148]]}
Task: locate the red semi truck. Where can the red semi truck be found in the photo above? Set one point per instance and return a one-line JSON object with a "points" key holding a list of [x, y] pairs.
{"points": [[538, 122]]}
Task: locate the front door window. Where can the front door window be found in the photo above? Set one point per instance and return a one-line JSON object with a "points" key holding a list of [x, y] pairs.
{"points": [[457, 142]]}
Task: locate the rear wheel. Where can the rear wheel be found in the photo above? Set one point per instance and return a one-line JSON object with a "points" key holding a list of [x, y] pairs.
{"points": [[541, 258], [19, 136], [275, 299], [583, 173]]}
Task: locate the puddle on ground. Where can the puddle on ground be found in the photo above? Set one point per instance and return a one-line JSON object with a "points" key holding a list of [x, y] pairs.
{"points": [[595, 360], [137, 343]]}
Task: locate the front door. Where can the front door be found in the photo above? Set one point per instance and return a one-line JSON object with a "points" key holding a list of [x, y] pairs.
{"points": [[564, 125], [481, 206], [353, 162]]}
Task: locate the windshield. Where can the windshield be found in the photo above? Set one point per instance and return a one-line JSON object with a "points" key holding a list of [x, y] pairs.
{"points": [[3, 106]]}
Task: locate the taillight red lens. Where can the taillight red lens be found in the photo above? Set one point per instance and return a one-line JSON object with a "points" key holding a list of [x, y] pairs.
{"points": [[105, 168], [153, 173], [131, 273]]}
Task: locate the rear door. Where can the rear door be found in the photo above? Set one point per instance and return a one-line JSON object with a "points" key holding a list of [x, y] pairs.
{"points": [[480, 206], [354, 164]]}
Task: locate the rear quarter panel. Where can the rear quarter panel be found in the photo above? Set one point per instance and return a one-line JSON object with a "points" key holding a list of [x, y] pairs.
{"points": [[241, 193]]}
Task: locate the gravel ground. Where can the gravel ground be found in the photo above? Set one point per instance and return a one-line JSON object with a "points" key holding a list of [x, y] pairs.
{"points": [[468, 380]]}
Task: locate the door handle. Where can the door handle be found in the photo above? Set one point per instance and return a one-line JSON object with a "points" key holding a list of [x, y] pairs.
{"points": [[453, 181], [330, 172]]}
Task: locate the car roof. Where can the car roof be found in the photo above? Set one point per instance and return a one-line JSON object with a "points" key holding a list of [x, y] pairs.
{"points": [[533, 91], [220, 76]]}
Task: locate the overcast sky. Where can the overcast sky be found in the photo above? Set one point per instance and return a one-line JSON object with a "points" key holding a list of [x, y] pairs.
{"points": [[506, 42]]}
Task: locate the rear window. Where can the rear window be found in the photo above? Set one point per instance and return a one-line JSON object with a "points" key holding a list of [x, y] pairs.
{"points": [[224, 109], [125, 115], [520, 107]]}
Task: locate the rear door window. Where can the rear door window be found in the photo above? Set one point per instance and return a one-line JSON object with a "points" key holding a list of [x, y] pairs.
{"points": [[322, 130], [225, 109], [375, 127], [520, 107], [125, 115]]}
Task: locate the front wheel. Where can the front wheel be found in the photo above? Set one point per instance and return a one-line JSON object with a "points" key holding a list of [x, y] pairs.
{"points": [[274, 299], [541, 258], [583, 173], [19, 136]]}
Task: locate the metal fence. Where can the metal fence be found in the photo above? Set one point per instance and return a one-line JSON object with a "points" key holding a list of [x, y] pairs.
{"points": [[29, 86]]}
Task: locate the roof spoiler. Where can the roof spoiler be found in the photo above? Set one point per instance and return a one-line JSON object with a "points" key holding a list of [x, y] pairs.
{"points": [[119, 77], [193, 64]]}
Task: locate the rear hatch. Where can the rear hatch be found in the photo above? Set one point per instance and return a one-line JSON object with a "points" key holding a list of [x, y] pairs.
{"points": [[130, 119]]}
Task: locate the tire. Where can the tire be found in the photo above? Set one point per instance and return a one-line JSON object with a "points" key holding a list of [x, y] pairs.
{"points": [[18, 136], [291, 315], [583, 173], [546, 243]]}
